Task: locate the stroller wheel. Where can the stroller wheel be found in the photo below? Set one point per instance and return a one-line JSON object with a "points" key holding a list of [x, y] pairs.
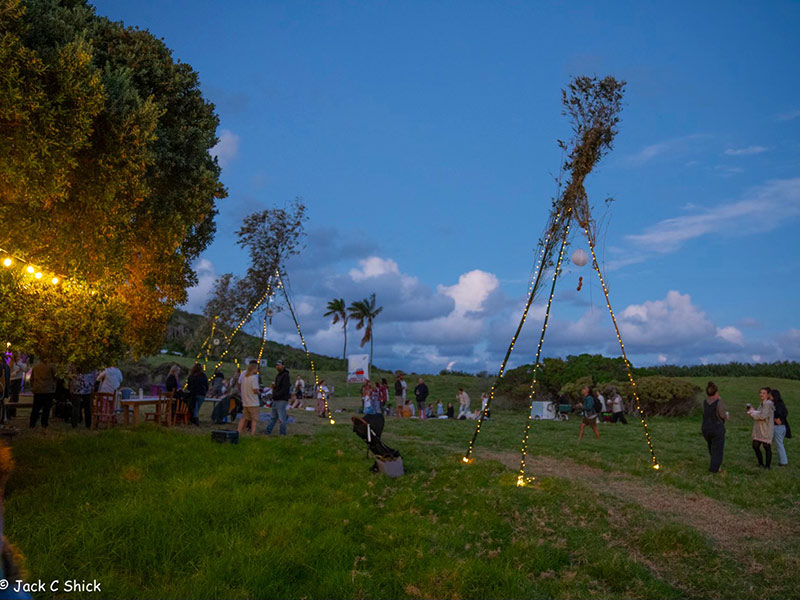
{"points": [[374, 467]]}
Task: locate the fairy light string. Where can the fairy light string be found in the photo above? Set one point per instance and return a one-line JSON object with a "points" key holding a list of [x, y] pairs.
{"points": [[522, 478], [241, 324], [10, 260], [264, 330], [282, 286], [655, 463], [534, 286]]}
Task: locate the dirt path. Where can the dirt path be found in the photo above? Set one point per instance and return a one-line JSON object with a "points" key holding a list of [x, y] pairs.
{"points": [[731, 528]]}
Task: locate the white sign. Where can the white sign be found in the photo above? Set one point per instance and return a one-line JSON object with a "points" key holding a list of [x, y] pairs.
{"points": [[357, 368]]}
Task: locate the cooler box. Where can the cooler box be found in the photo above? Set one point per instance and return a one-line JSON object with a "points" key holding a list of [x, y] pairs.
{"points": [[225, 435]]}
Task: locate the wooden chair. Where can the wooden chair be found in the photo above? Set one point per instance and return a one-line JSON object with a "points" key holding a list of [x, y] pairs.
{"points": [[163, 411], [181, 411], [103, 409]]}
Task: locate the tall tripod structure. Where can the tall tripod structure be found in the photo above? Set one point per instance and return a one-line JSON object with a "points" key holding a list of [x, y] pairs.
{"points": [[593, 107]]}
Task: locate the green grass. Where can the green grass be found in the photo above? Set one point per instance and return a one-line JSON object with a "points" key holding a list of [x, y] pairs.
{"points": [[167, 514]]}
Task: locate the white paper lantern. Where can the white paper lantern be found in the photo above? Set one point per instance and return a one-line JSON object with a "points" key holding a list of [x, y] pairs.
{"points": [[580, 257]]}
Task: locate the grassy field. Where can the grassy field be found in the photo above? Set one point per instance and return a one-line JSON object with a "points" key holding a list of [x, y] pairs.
{"points": [[168, 514]]}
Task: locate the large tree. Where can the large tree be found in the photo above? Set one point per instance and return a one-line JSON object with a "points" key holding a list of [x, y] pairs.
{"points": [[105, 175], [270, 237], [338, 310], [365, 311]]}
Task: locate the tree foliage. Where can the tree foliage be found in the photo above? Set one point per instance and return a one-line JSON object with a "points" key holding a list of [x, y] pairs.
{"points": [[337, 308], [365, 311], [664, 396], [270, 236], [105, 170]]}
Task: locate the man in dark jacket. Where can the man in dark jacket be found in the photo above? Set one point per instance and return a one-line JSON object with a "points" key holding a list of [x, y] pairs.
{"points": [[421, 392], [281, 390]]}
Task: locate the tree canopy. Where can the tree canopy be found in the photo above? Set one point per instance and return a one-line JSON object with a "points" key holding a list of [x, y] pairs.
{"points": [[106, 176]]}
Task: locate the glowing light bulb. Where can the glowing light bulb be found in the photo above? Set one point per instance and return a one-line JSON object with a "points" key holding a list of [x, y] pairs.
{"points": [[7, 262], [54, 280], [30, 269], [333, 422], [38, 275], [656, 466]]}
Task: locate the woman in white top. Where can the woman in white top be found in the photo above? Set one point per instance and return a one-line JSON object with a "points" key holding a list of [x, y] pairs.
{"points": [[250, 399], [617, 407]]}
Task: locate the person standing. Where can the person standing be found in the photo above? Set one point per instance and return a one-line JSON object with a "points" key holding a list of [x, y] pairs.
{"points": [[18, 368], [713, 428], [383, 391], [601, 406], [487, 413], [281, 390], [463, 402], [421, 393], [763, 427], [110, 379], [80, 390], [43, 386], [322, 393], [250, 400], [366, 393], [617, 407], [398, 395], [590, 406], [5, 384], [197, 388], [781, 429], [299, 388]]}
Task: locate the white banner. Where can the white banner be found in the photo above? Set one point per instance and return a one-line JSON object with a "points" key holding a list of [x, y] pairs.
{"points": [[357, 368]]}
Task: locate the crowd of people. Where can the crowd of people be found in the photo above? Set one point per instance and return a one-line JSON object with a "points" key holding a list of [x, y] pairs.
{"points": [[375, 400], [770, 423], [244, 394], [770, 427]]}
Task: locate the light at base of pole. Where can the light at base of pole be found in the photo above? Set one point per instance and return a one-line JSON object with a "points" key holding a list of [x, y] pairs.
{"points": [[522, 481], [657, 466], [466, 460], [333, 422]]}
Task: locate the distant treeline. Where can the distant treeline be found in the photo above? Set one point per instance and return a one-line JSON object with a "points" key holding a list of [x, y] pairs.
{"points": [[785, 370], [556, 373]]}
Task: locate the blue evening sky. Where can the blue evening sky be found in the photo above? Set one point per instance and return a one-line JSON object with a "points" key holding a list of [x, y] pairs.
{"points": [[422, 137]]}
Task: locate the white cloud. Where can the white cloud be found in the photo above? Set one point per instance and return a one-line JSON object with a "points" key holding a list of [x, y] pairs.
{"points": [[471, 291], [667, 147], [789, 116], [762, 209], [731, 334], [198, 295], [662, 358], [227, 148], [374, 266], [745, 151]]}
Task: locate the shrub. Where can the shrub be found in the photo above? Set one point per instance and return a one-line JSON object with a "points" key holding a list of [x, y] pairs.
{"points": [[657, 395]]}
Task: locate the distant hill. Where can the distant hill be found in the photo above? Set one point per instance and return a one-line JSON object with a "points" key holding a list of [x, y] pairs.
{"points": [[187, 331]]}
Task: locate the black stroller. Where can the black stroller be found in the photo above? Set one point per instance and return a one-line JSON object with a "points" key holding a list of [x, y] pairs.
{"points": [[387, 460]]}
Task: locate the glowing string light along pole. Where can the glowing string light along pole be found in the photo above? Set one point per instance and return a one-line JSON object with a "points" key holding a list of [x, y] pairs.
{"points": [[264, 330], [522, 479], [642, 418], [209, 342], [534, 286], [244, 320], [308, 354]]}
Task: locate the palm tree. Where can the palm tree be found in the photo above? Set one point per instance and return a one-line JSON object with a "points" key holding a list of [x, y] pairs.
{"points": [[365, 311], [338, 310]]}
